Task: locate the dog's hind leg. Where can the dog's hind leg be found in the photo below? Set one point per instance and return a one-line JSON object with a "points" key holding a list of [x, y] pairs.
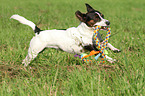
{"points": [[36, 46], [31, 55]]}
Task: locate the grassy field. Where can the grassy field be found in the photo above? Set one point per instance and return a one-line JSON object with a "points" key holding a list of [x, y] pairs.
{"points": [[59, 73]]}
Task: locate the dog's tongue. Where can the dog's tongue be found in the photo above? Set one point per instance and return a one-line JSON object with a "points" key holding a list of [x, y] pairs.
{"points": [[103, 27]]}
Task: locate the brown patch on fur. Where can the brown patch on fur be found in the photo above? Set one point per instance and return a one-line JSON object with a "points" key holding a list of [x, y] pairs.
{"points": [[91, 23]]}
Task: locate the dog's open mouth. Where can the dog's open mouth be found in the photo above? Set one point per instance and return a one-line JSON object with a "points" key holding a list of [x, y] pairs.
{"points": [[104, 27]]}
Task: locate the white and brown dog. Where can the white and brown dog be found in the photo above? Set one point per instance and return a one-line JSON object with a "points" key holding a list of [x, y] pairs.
{"points": [[72, 40]]}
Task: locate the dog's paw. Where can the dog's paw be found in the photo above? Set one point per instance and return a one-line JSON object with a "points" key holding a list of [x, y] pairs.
{"points": [[112, 61], [115, 50], [25, 63]]}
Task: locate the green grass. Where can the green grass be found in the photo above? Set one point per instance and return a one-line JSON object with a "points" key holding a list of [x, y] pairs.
{"points": [[59, 73]]}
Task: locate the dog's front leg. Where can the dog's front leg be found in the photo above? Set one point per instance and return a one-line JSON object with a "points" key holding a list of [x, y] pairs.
{"points": [[109, 59], [113, 48]]}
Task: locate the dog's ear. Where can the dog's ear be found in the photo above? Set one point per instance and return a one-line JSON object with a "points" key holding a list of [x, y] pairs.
{"points": [[81, 16], [89, 8]]}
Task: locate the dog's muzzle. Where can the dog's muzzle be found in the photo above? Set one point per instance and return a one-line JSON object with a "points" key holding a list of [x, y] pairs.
{"points": [[107, 22]]}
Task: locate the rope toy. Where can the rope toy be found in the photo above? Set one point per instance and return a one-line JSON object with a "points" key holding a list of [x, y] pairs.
{"points": [[101, 46], [105, 42]]}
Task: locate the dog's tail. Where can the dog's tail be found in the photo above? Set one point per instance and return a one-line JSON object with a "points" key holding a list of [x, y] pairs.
{"points": [[26, 22]]}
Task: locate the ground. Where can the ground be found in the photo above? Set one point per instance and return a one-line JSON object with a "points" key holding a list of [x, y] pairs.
{"points": [[56, 72]]}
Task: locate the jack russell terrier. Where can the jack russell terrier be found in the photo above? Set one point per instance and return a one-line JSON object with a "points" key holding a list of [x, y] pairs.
{"points": [[72, 40]]}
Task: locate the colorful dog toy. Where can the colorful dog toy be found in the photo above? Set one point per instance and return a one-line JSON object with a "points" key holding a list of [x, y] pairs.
{"points": [[101, 46]]}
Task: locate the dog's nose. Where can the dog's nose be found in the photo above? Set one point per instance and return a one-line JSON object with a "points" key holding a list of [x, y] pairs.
{"points": [[107, 22]]}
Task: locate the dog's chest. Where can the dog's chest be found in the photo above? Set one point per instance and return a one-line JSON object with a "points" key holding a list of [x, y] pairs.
{"points": [[79, 36]]}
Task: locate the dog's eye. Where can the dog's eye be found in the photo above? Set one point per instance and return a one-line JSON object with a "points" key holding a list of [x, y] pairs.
{"points": [[97, 16], [97, 19]]}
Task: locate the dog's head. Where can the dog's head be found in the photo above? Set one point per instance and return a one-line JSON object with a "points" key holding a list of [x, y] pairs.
{"points": [[92, 18]]}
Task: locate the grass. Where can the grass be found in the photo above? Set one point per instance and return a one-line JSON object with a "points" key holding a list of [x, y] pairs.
{"points": [[59, 73]]}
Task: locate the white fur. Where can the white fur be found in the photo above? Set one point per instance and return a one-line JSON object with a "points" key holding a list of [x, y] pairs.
{"points": [[67, 40], [102, 22], [23, 21]]}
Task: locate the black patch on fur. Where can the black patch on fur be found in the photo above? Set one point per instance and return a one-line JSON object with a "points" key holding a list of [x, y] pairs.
{"points": [[37, 30], [89, 47], [61, 29], [94, 46]]}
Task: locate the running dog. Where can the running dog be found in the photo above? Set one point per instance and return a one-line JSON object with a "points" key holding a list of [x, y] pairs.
{"points": [[72, 40]]}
